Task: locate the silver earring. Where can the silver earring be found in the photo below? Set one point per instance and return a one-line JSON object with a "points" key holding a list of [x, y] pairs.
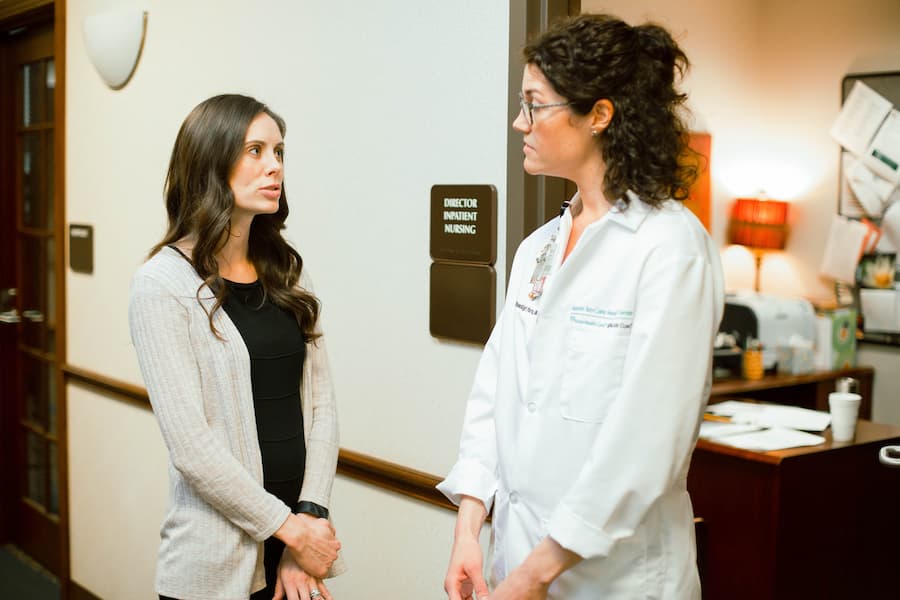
{"points": [[594, 133]]}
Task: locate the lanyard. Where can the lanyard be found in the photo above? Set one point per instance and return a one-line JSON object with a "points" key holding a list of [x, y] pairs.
{"points": [[544, 259]]}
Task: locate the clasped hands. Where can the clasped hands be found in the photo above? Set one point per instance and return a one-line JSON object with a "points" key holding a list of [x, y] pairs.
{"points": [[311, 543], [310, 548]]}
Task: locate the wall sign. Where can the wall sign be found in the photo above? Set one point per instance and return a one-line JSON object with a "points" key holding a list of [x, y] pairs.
{"points": [[463, 288], [81, 248], [464, 223], [463, 301]]}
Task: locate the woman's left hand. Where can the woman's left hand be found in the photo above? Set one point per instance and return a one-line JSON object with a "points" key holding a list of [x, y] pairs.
{"points": [[295, 584], [519, 586]]}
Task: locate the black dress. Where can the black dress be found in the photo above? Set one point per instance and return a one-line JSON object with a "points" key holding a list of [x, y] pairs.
{"points": [[277, 350]]}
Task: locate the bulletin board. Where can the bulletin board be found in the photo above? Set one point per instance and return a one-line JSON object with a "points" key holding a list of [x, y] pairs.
{"points": [[887, 84]]}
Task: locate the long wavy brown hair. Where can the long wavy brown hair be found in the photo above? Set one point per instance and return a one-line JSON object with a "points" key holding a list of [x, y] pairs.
{"points": [[199, 203], [645, 148]]}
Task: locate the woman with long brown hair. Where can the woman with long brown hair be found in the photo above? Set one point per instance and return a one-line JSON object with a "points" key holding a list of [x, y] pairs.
{"points": [[226, 329]]}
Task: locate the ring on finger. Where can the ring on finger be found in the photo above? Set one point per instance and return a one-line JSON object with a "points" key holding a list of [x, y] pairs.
{"points": [[314, 593]]}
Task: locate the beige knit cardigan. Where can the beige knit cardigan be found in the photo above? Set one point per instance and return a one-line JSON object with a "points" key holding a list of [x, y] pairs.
{"points": [[199, 387]]}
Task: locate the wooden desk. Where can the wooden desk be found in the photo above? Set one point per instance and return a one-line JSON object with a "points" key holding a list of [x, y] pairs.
{"points": [[808, 391], [820, 522]]}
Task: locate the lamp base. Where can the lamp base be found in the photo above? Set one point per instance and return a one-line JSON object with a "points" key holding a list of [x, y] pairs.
{"points": [[758, 255]]}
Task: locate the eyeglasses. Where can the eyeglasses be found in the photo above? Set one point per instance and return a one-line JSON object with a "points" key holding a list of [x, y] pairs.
{"points": [[528, 108]]}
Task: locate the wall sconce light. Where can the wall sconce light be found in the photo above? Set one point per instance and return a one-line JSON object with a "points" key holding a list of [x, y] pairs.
{"points": [[114, 40], [760, 225]]}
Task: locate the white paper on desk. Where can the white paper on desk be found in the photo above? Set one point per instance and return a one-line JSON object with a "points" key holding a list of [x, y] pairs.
{"points": [[883, 153], [843, 249], [711, 430], [771, 439], [862, 114], [729, 408], [772, 415]]}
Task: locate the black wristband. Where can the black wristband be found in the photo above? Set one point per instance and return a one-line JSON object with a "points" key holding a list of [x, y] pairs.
{"points": [[311, 508]]}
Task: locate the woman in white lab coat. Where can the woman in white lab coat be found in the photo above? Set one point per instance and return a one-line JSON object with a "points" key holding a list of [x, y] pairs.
{"points": [[589, 395]]}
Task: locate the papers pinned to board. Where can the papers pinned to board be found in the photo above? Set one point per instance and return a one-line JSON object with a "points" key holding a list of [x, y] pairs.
{"points": [[863, 113], [848, 240], [872, 192], [868, 127]]}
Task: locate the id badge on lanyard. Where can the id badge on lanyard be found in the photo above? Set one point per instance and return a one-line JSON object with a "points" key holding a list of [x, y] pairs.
{"points": [[544, 260]]}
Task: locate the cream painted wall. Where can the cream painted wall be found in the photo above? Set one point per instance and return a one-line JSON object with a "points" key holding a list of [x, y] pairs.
{"points": [[766, 84], [808, 48], [382, 101], [721, 40]]}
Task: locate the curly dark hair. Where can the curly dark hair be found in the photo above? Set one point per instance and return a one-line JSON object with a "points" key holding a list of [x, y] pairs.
{"points": [[199, 203], [645, 147]]}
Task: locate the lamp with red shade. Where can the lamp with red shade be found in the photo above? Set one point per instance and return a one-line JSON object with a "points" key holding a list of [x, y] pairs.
{"points": [[759, 225]]}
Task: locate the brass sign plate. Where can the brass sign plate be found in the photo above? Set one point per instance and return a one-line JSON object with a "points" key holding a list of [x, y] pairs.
{"points": [[81, 248], [464, 223], [463, 301]]}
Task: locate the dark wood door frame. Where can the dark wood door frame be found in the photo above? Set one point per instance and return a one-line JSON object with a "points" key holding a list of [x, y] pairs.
{"points": [[15, 14], [7, 280], [530, 200]]}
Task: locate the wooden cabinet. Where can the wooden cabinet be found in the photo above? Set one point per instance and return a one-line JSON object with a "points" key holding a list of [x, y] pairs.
{"points": [[819, 522]]}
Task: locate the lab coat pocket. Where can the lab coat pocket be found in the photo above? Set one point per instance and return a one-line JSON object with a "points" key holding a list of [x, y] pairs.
{"points": [[595, 358]]}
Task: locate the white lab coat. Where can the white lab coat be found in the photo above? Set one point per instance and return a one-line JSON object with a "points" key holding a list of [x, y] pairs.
{"points": [[587, 402]]}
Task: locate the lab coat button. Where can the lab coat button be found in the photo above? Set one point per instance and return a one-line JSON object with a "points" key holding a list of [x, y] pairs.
{"points": [[532, 407], [513, 498]]}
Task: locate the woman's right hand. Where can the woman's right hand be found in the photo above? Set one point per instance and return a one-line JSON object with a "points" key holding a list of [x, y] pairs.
{"points": [[464, 573], [464, 576], [311, 541]]}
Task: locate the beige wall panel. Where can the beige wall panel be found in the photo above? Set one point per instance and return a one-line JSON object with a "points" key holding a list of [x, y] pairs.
{"points": [[117, 495]]}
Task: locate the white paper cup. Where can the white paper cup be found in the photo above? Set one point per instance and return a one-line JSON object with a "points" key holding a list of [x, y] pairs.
{"points": [[844, 410]]}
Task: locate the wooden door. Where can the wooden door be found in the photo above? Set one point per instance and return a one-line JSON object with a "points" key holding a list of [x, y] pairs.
{"points": [[28, 295]]}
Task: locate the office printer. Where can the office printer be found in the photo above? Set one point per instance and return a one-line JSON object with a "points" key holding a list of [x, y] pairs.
{"points": [[765, 317]]}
